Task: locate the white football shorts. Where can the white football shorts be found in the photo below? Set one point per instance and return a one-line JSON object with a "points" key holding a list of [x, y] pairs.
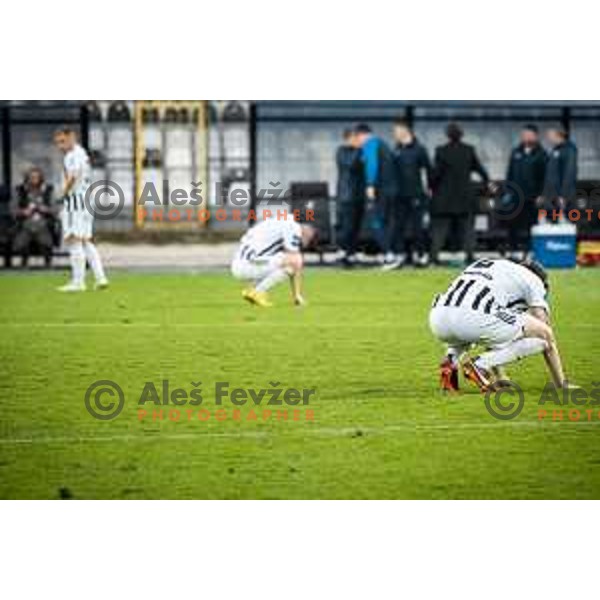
{"points": [[77, 223], [463, 325], [257, 268]]}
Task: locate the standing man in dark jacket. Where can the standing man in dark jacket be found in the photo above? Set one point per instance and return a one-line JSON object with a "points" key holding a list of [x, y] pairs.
{"points": [[350, 195], [408, 208], [560, 186], [453, 201], [524, 185], [380, 177]]}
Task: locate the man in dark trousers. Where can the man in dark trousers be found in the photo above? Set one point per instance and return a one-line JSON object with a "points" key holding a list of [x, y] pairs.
{"points": [[560, 185], [524, 185], [406, 211], [380, 177], [350, 195], [453, 204]]}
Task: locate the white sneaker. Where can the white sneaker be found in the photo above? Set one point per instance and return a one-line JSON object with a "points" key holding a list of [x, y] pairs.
{"points": [[72, 287], [421, 261], [101, 284], [395, 263]]}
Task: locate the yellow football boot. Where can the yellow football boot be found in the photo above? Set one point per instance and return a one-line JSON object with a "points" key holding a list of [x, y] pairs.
{"points": [[258, 298]]}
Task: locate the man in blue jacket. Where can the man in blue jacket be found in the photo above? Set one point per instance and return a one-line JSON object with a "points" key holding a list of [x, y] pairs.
{"points": [[380, 176]]}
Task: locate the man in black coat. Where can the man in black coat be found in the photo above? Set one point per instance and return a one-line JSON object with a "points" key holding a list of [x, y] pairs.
{"points": [[453, 204], [350, 195], [524, 185], [406, 211], [560, 185]]}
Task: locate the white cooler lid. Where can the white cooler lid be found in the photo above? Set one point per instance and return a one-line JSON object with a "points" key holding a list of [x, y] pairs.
{"points": [[546, 229]]}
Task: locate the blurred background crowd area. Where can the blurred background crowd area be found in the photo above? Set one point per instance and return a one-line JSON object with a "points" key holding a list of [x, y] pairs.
{"points": [[268, 148]]}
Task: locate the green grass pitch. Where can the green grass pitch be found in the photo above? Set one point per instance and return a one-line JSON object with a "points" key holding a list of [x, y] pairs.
{"points": [[381, 429]]}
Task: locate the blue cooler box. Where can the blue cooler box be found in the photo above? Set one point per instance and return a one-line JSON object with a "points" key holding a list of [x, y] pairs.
{"points": [[555, 246]]}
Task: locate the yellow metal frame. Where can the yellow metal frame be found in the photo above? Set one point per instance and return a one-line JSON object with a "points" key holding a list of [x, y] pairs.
{"points": [[201, 156]]}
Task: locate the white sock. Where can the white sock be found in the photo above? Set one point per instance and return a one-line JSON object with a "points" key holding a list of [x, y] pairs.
{"points": [[77, 258], [270, 280], [455, 352], [512, 351], [93, 256]]}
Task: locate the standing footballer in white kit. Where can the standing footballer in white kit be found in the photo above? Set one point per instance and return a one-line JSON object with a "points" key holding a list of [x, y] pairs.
{"points": [[77, 220], [269, 253], [501, 305]]}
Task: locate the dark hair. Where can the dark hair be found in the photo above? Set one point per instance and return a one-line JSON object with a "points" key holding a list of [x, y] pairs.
{"points": [[33, 170], [400, 122], [454, 132], [348, 132], [537, 269], [561, 131], [362, 128], [531, 127], [64, 130]]}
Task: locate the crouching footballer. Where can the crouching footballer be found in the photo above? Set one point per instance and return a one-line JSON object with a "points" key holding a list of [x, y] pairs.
{"points": [[501, 305], [269, 253]]}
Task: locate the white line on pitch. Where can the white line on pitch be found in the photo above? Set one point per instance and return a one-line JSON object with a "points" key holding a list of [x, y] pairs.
{"points": [[321, 431], [284, 324], [257, 323]]}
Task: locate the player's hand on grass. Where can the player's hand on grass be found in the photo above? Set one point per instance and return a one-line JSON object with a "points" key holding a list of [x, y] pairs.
{"points": [[299, 300]]}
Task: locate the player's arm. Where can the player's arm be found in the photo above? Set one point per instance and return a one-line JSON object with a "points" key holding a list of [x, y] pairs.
{"points": [[540, 313], [294, 262], [295, 266], [72, 171], [69, 183], [540, 327]]}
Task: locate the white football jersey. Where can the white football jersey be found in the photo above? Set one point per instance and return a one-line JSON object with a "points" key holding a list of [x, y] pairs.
{"points": [[77, 164], [271, 237], [489, 284]]}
